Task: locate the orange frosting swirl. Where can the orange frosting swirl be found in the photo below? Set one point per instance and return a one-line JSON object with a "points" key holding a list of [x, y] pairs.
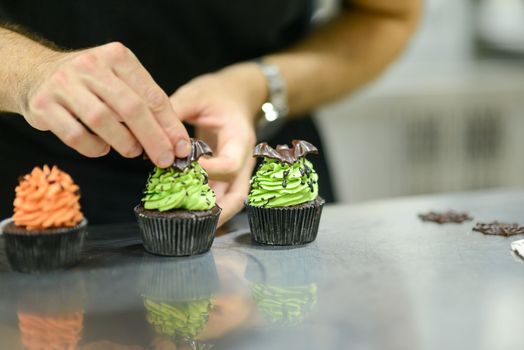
{"points": [[60, 332], [47, 198]]}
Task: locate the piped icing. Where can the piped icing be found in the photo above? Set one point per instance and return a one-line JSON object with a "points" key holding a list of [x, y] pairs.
{"points": [[187, 189], [47, 198], [285, 177], [184, 185]]}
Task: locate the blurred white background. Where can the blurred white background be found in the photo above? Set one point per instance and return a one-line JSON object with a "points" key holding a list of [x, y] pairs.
{"points": [[447, 116]]}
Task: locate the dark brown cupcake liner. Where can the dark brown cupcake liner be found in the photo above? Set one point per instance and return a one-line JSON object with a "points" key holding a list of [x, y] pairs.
{"points": [[177, 236], [42, 251], [287, 225]]}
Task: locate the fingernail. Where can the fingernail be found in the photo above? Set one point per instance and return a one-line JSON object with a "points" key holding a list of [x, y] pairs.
{"points": [[166, 159], [182, 148], [136, 150]]}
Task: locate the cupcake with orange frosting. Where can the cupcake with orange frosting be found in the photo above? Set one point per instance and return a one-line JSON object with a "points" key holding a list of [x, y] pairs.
{"points": [[48, 228]]}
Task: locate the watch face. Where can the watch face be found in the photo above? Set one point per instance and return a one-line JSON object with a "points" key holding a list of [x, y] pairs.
{"points": [[270, 113]]}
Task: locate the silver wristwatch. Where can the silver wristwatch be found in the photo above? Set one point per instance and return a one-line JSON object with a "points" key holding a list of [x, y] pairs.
{"points": [[276, 106]]}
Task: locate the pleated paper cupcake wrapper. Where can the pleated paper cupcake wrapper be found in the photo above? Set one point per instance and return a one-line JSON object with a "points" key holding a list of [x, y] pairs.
{"points": [[179, 280], [286, 225], [172, 236], [52, 249]]}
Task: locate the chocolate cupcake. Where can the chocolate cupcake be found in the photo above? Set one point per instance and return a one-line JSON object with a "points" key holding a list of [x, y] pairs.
{"points": [[178, 215], [283, 205], [47, 229]]}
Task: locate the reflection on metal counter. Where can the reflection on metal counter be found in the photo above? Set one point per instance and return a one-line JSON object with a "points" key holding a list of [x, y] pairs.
{"points": [[50, 311], [283, 284], [377, 277], [178, 297]]}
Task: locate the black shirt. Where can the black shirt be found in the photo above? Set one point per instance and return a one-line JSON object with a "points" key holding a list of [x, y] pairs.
{"points": [[175, 40]]}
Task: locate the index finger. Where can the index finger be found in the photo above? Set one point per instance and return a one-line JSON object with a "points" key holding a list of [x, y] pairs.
{"points": [[132, 72], [233, 200], [137, 117]]}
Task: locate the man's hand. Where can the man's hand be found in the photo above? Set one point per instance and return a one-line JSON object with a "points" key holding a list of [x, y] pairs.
{"points": [[103, 97], [222, 107]]}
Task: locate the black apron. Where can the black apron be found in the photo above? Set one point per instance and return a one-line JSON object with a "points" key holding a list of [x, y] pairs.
{"points": [[175, 40]]}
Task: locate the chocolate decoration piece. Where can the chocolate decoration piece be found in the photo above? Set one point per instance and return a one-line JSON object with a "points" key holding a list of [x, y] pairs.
{"points": [[198, 149], [283, 153], [518, 248], [499, 229], [449, 216]]}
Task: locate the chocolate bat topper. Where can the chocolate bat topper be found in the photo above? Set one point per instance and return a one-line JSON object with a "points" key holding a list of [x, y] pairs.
{"points": [[198, 149], [283, 153]]}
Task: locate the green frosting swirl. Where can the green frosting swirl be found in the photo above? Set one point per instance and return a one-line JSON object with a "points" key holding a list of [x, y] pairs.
{"points": [[183, 320], [171, 188], [279, 184], [286, 306]]}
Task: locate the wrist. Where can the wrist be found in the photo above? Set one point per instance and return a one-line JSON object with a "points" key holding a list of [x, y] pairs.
{"points": [[33, 74], [249, 84]]}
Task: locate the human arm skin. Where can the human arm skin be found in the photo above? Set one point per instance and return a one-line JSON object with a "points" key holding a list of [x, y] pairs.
{"points": [[347, 52], [92, 99], [334, 60]]}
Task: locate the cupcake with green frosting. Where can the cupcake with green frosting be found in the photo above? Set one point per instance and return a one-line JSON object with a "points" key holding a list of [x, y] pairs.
{"points": [[178, 214], [283, 204]]}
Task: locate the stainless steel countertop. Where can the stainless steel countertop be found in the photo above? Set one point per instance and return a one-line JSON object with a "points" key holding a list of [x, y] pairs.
{"points": [[376, 278]]}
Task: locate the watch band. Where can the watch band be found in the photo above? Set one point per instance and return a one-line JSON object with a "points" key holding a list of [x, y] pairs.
{"points": [[276, 106]]}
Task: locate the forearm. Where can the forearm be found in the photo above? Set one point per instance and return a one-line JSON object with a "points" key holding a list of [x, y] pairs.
{"points": [[336, 59], [21, 58], [347, 53]]}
